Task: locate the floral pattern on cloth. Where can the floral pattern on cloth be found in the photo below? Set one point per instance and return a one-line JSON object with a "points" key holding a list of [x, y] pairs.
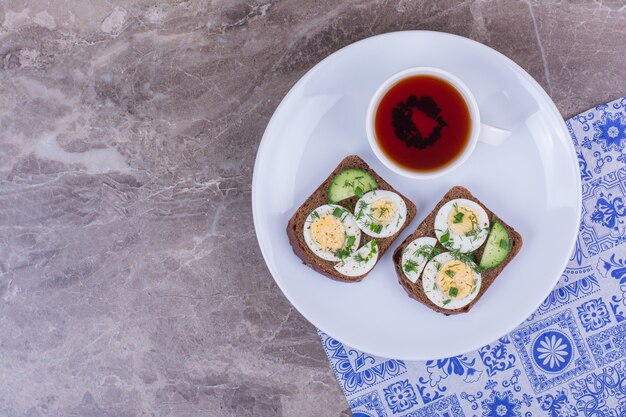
{"points": [[568, 359]]}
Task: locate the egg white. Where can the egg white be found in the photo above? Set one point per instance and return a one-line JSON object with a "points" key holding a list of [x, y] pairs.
{"points": [[432, 291], [462, 243], [363, 211], [420, 260], [351, 267], [349, 224]]}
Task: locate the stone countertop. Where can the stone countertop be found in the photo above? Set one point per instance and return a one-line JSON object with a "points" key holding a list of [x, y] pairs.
{"points": [[131, 283]]}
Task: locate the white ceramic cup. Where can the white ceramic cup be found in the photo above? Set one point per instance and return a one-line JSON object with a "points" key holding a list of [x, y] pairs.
{"points": [[479, 131]]}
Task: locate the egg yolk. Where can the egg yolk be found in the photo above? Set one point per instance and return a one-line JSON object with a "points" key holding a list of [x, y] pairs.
{"points": [[383, 211], [462, 220], [328, 232], [455, 274]]}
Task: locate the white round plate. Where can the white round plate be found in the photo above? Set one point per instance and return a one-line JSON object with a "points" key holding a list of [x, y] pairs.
{"points": [[531, 181]]}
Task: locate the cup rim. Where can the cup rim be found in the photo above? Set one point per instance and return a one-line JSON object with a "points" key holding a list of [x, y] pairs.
{"points": [[456, 83]]}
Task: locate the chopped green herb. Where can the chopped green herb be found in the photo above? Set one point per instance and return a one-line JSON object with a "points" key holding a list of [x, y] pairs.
{"points": [[467, 259], [382, 210], [360, 258], [398, 221], [450, 273], [346, 250], [376, 228], [315, 215], [446, 302], [356, 185], [453, 292], [446, 240], [374, 247], [362, 207], [476, 230], [458, 217], [338, 212], [504, 244], [434, 285], [437, 265], [427, 251], [410, 266]]}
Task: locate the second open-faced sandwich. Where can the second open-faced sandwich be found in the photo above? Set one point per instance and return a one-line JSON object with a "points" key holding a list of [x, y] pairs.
{"points": [[455, 254]]}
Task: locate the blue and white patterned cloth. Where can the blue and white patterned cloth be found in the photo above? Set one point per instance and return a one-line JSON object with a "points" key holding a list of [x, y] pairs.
{"points": [[568, 358]]}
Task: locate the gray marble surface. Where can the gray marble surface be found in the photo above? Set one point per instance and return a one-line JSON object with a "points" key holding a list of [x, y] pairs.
{"points": [[131, 283]]}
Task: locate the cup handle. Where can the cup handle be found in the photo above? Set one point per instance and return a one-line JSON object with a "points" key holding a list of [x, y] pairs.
{"points": [[492, 135]]}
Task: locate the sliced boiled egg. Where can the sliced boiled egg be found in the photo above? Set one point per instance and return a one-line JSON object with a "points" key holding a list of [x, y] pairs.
{"points": [[331, 232], [380, 213], [415, 256], [361, 262], [462, 225], [449, 282]]}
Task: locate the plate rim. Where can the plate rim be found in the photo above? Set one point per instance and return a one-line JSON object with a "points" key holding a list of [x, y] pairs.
{"points": [[554, 111]]}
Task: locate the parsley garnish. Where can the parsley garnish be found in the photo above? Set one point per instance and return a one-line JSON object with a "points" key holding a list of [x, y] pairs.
{"points": [[338, 212], [450, 273], [453, 292], [376, 228], [437, 265], [458, 217], [358, 191], [315, 215], [446, 302]]}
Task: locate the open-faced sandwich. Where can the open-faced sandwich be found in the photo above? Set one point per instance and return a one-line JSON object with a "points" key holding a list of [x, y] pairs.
{"points": [[455, 254], [349, 222]]}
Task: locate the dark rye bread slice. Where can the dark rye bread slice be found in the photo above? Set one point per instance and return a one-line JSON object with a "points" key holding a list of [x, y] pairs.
{"points": [[319, 197], [427, 228]]}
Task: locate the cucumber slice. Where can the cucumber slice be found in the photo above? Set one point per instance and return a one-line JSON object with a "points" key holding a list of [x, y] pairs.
{"points": [[497, 248], [349, 183]]}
